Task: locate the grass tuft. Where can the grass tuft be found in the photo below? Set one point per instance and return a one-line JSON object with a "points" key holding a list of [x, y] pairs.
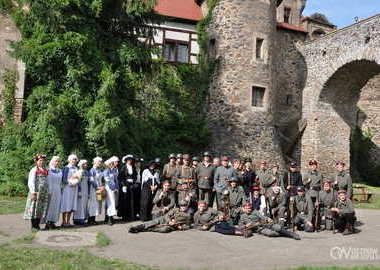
{"points": [[102, 240]]}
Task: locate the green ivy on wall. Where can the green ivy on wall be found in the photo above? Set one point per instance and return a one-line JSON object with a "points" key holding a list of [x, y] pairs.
{"points": [[9, 78]]}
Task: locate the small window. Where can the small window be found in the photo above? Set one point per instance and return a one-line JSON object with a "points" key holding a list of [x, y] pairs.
{"points": [[289, 99], [287, 12], [258, 96], [259, 48], [176, 51]]}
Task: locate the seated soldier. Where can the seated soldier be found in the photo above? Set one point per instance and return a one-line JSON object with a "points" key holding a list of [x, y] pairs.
{"points": [[344, 214], [252, 221], [236, 194], [176, 219], [327, 199], [303, 212], [257, 200], [185, 193], [277, 201], [163, 201], [205, 218]]}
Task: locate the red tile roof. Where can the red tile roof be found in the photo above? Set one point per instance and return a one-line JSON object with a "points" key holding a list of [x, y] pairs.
{"points": [[183, 9], [291, 27]]}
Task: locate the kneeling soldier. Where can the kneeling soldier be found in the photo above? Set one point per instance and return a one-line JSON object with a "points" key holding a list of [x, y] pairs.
{"points": [[327, 199], [277, 200], [163, 201], [205, 218], [303, 211], [344, 214], [253, 221], [175, 219]]}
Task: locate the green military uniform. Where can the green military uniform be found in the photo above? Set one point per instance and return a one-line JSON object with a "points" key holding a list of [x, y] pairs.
{"points": [[205, 181], [236, 197], [185, 174], [168, 173], [265, 179], [161, 224], [264, 226], [303, 212], [345, 219], [312, 181], [327, 200], [221, 177], [190, 196], [344, 182], [277, 205], [167, 201], [208, 217]]}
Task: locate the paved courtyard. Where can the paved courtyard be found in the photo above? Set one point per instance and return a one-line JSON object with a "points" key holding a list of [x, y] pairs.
{"points": [[201, 250]]}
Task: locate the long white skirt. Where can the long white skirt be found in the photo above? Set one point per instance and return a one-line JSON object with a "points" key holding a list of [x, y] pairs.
{"points": [[54, 205], [81, 212], [111, 202], [69, 199], [94, 206]]}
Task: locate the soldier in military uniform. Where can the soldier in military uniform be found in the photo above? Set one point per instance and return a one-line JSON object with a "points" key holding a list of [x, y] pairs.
{"points": [[205, 218], [163, 201], [169, 171], [277, 200], [343, 179], [222, 175], [236, 194], [205, 178], [303, 212], [292, 180], [175, 219], [194, 162], [312, 181], [189, 195], [185, 173], [179, 160], [344, 214], [327, 199], [263, 177], [252, 221]]}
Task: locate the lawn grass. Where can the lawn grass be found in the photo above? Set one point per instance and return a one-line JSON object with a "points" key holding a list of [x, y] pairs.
{"points": [[49, 259], [338, 268], [102, 240], [11, 205]]}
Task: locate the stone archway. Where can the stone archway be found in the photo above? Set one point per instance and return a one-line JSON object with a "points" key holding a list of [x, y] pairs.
{"points": [[339, 66]]}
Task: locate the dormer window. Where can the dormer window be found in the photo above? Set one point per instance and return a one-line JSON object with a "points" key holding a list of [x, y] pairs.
{"points": [[287, 13]]}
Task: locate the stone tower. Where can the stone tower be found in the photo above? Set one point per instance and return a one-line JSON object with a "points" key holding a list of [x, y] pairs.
{"points": [[242, 94]]}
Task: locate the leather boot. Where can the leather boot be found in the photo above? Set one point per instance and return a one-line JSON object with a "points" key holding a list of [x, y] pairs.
{"points": [[290, 234], [137, 228]]}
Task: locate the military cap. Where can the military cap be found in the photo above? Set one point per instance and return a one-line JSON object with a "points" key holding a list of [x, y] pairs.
{"points": [[234, 179], [275, 165], [327, 180], [172, 156], [202, 203], [340, 163], [247, 160], [224, 158], [301, 188], [263, 162], [313, 162], [195, 159], [179, 155], [208, 154], [186, 156], [248, 205], [183, 203], [293, 164], [342, 191], [256, 188]]}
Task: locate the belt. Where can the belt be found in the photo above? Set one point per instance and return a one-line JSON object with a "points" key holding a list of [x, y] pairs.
{"points": [[316, 188]]}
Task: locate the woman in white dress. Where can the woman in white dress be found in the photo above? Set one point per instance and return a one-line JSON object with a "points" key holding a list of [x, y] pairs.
{"points": [[96, 186], [112, 189], [70, 190], [55, 192], [149, 182], [83, 175]]}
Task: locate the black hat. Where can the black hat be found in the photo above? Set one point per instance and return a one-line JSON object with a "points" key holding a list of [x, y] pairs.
{"points": [[247, 160], [172, 156], [157, 160], [152, 162], [207, 154], [234, 179], [140, 160], [195, 159], [300, 188], [293, 164]]}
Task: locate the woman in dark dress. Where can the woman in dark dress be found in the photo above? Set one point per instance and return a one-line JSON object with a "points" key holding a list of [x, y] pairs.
{"points": [[128, 184], [150, 181]]}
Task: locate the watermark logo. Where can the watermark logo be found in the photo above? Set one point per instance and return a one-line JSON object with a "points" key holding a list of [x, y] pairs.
{"points": [[354, 253]]}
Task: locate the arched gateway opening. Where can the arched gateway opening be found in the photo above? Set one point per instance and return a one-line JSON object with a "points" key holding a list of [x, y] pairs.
{"points": [[348, 107]]}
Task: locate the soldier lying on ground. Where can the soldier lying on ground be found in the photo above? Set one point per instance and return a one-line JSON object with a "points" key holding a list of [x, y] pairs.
{"points": [[252, 221], [175, 219]]}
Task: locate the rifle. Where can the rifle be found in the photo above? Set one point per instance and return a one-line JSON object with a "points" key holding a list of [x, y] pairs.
{"points": [[175, 225], [252, 226], [291, 209], [317, 215]]}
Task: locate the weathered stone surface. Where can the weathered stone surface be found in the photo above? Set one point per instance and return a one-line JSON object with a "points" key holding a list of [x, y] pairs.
{"points": [[65, 239]]}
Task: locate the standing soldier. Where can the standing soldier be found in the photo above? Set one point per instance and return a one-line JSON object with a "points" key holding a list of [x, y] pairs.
{"points": [[312, 181], [177, 219], [303, 212], [236, 194], [344, 214], [292, 180], [163, 201], [343, 179], [277, 200], [222, 175], [185, 173], [263, 176], [205, 178], [169, 171], [205, 218], [327, 199]]}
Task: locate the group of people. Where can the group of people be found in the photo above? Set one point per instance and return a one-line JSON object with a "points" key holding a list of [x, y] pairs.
{"points": [[182, 194]]}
